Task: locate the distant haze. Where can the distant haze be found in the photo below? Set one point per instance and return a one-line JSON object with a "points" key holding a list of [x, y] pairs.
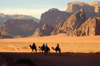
{"points": [[3, 17]]}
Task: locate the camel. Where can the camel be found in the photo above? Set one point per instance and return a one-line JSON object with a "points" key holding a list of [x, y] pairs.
{"points": [[33, 47], [58, 49], [45, 49], [42, 48]]}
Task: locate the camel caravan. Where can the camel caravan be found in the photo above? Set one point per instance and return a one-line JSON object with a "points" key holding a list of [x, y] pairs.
{"points": [[44, 48]]}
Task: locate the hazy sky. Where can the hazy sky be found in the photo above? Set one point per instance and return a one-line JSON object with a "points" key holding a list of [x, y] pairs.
{"points": [[34, 7]]}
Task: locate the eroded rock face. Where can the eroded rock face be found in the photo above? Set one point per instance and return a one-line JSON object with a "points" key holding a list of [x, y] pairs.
{"points": [[17, 27], [72, 23], [74, 6], [90, 27], [96, 6], [45, 31], [39, 32], [94, 3], [53, 17], [91, 9]]}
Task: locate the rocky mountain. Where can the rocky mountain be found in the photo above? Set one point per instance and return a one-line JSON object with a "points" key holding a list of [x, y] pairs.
{"points": [[72, 23], [91, 9], [15, 27], [67, 21], [53, 17], [94, 3], [45, 31], [89, 28], [3, 17]]}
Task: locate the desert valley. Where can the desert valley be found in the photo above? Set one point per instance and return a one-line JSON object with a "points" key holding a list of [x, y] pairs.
{"points": [[76, 30]]}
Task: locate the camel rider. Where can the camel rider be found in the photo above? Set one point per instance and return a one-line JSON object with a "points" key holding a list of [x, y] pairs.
{"points": [[57, 48], [46, 48], [33, 44], [46, 45], [43, 45]]}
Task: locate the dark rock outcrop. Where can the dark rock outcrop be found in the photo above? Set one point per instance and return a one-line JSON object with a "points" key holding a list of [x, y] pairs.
{"points": [[45, 31], [71, 24], [90, 27], [39, 32], [6, 36], [15, 27], [53, 17]]}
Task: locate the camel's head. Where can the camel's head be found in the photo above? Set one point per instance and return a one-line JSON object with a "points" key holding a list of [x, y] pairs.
{"points": [[39, 47], [30, 45], [52, 47]]}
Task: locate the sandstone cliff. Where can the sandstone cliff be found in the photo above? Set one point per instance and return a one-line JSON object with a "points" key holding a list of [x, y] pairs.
{"points": [[39, 32], [45, 31], [72, 23], [91, 9], [89, 28], [17, 27], [53, 17], [96, 6]]}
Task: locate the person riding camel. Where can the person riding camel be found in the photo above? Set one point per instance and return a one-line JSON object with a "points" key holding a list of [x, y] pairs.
{"points": [[47, 48], [42, 47], [57, 48], [33, 45]]}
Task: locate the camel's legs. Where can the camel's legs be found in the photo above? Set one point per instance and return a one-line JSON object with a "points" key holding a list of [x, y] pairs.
{"points": [[59, 51]]}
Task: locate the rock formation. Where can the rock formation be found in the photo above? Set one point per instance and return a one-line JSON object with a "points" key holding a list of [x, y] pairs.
{"points": [[45, 31], [53, 17], [91, 9], [19, 24], [15, 27], [96, 6], [39, 32], [90, 27], [3, 17], [72, 23]]}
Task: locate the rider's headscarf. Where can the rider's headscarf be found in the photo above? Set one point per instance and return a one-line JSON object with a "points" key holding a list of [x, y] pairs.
{"points": [[46, 44], [34, 44]]}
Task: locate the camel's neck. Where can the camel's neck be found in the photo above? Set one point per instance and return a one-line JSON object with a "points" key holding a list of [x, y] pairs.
{"points": [[30, 46], [53, 48]]}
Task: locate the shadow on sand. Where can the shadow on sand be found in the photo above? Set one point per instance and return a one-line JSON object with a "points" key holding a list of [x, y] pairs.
{"points": [[53, 59]]}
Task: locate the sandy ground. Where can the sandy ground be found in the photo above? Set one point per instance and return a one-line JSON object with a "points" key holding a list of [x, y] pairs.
{"points": [[76, 51]]}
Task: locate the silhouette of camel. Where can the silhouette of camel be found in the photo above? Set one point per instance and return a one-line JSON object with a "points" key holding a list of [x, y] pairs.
{"points": [[45, 49], [33, 47], [42, 48], [58, 49]]}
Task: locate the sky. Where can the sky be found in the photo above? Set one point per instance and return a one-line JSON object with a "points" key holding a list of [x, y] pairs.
{"points": [[34, 7]]}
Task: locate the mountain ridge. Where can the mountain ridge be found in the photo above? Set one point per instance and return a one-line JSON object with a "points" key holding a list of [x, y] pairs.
{"points": [[3, 17]]}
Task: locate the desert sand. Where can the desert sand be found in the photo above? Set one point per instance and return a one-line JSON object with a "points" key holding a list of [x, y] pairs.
{"points": [[75, 51]]}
